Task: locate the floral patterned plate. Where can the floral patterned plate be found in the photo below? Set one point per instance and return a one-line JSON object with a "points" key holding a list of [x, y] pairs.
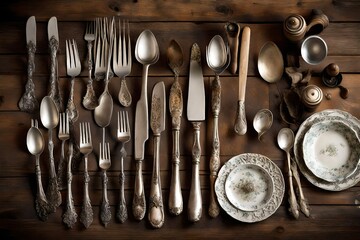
{"points": [[275, 199], [331, 151], [249, 187], [326, 115]]}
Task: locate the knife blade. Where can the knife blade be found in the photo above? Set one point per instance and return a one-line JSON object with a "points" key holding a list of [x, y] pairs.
{"points": [[195, 114], [31, 30], [157, 124], [28, 102], [53, 37]]}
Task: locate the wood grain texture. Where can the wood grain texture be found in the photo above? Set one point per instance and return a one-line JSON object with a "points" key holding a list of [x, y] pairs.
{"points": [[334, 215]]}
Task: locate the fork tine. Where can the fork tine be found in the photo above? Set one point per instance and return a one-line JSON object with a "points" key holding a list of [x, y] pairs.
{"points": [[77, 57], [88, 133], [127, 122], [129, 45], [67, 123], [81, 133], [68, 64], [108, 151]]}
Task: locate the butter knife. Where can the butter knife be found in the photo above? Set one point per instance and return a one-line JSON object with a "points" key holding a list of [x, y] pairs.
{"points": [[195, 114], [53, 37], [28, 102], [240, 122], [157, 124]]}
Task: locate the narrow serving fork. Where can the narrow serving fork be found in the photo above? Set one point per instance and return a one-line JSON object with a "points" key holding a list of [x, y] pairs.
{"points": [[63, 135], [73, 69], [104, 164], [90, 101], [123, 136], [122, 61], [86, 216]]}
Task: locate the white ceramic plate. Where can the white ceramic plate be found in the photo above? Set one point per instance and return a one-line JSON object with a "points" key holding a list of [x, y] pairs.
{"points": [[326, 115], [248, 187], [331, 151], [278, 187]]}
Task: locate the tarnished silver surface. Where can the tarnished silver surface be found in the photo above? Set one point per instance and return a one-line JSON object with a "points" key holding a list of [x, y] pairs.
{"points": [[104, 164], [175, 61]]}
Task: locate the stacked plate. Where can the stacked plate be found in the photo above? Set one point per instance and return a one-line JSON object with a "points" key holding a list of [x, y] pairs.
{"points": [[250, 187], [327, 149]]}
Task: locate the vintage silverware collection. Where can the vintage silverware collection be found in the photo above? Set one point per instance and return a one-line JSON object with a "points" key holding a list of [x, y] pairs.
{"points": [[249, 187]]}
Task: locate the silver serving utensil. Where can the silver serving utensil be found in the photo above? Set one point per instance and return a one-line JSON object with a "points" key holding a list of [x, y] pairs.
{"points": [[218, 59], [53, 37], [240, 121], [28, 101], [104, 164], [175, 61], [36, 144], [158, 111], [195, 114], [285, 141], [49, 115], [270, 62], [146, 53], [262, 121]]}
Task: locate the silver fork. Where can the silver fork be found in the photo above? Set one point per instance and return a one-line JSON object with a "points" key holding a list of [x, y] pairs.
{"points": [[86, 216], [122, 61], [73, 68], [104, 164], [63, 135], [123, 136], [90, 101]]}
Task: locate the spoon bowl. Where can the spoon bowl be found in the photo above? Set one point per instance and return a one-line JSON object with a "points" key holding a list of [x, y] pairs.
{"points": [[262, 121], [147, 49], [217, 55], [175, 57], [270, 62], [103, 111], [35, 141], [285, 139], [49, 113]]}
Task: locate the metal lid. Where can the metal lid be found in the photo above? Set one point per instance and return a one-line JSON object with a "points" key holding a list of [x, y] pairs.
{"points": [[312, 95]]}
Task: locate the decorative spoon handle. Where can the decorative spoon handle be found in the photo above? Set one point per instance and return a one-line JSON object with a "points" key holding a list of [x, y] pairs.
{"points": [[41, 203], [139, 204], [195, 200], [86, 216], [215, 159], [294, 208], [304, 207]]}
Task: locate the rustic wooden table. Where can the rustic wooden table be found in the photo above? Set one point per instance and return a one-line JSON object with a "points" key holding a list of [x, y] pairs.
{"points": [[334, 215]]}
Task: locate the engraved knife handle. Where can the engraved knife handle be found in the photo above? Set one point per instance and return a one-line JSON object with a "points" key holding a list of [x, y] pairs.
{"points": [[294, 208], [215, 159], [105, 213], [41, 203], [139, 204], [195, 201], [175, 196], [28, 102], [240, 122], [122, 214], [70, 216], [54, 84], [156, 206], [53, 193], [86, 216]]}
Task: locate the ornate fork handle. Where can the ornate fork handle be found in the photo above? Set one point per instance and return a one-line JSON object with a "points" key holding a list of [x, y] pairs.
{"points": [[105, 213], [71, 107], [28, 102], [86, 216], [90, 101], [139, 204], [61, 167], [215, 159], [54, 84], [70, 216], [53, 193], [122, 214]]}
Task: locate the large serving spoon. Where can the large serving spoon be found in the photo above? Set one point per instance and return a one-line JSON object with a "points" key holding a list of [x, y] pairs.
{"points": [[175, 60], [146, 53], [36, 144], [218, 59], [270, 62], [285, 139], [49, 115]]}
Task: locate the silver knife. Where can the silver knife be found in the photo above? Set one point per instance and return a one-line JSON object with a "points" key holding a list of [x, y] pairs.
{"points": [[157, 124], [195, 114], [53, 37], [28, 102]]}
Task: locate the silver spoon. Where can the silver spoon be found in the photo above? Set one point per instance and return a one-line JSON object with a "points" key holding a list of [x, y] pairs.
{"points": [[262, 121], [270, 62], [218, 59], [175, 61], [49, 115], [285, 141], [146, 53], [36, 144]]}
